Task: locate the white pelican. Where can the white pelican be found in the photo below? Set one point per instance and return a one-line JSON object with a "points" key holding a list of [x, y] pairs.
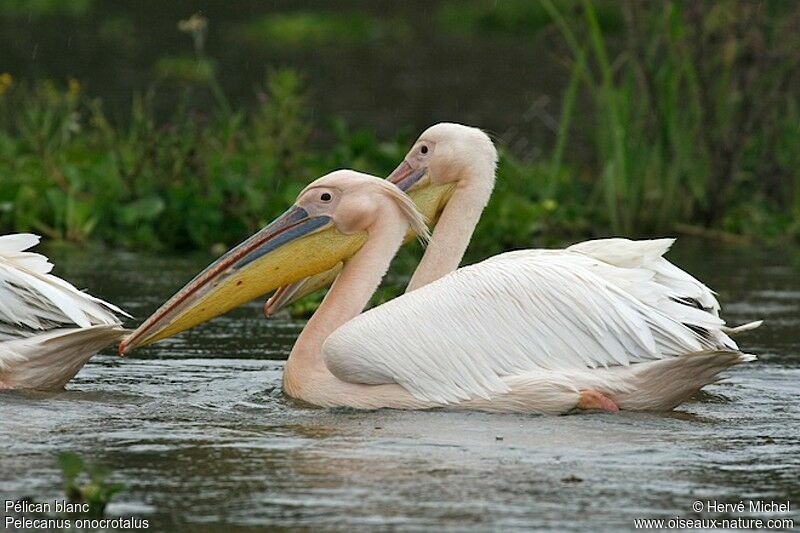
{"points": [[534, 331], [48, 328]]}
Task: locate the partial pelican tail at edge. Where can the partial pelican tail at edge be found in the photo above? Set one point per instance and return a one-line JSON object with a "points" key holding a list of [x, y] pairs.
{"points": [[47, 361]]}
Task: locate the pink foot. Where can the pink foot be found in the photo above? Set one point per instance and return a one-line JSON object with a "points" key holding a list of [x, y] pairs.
{"points": [[591, 399]]}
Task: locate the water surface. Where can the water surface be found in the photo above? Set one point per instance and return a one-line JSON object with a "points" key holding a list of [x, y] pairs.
{"points": [[198, 429]]}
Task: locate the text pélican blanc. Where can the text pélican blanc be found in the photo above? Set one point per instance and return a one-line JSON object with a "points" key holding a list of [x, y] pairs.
{"points": [[61, 508], [56, 506]]}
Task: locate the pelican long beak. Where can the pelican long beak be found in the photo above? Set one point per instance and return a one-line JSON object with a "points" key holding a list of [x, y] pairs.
{"points": [[292, 247]]}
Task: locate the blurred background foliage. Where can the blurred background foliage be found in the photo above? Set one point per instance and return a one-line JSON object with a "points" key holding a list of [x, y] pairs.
{"points": [[144, 126]]}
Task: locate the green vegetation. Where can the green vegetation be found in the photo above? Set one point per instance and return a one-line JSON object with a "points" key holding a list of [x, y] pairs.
{"points": [[311, 29], [40, 8], [194, 181], [686, 118], [185, 68], [513, 17], [694, 118], [87, 484]]}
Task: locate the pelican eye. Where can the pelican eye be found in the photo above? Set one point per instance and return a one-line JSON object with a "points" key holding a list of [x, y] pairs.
{"points": [[424, 149], [326, 197]]}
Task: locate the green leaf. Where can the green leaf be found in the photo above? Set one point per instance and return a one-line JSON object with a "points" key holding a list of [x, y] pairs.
{"points": [[145, 209], [71, 465]]}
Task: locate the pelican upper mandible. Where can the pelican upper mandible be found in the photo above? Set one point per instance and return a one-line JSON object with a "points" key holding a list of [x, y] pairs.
{"points": [[534, 331], [48, 328]]}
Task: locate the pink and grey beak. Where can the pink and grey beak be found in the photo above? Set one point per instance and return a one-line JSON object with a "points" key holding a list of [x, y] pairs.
{"points": [[294, 246], [405, 176]]}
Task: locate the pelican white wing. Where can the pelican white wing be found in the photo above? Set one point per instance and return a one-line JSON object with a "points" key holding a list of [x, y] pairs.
{"points": [[526, 311], [649, 254], [48, 328], [32, 299]]}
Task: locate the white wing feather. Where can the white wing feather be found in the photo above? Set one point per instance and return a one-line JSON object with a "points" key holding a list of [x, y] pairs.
{"points": [[48, 328], [584, 307], [32, 299], [648, 254]]}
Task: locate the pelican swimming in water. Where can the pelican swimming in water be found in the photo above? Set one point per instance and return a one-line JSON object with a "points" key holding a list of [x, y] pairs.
{"points": [[533, 331], [458, 162], [48, 328]]}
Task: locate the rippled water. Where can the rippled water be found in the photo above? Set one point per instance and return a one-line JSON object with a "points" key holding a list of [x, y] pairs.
{"points": [[198, 429]]}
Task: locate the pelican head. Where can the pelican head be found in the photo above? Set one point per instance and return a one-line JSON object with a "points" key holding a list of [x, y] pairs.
{"points": [[328, 224], [447, 154]]}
